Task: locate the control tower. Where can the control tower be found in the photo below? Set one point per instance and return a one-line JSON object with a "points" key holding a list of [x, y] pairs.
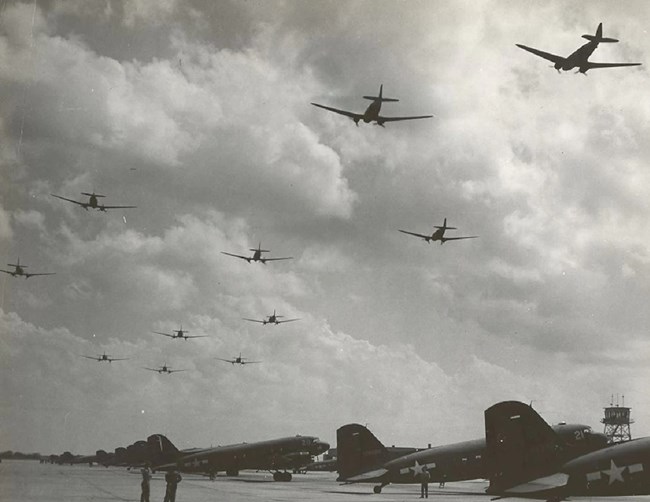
{"points": [[617, 422]]}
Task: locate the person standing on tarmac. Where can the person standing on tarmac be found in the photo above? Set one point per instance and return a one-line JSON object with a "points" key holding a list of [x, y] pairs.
{"points": [[146, 477], [425, 477], [172, 478]]}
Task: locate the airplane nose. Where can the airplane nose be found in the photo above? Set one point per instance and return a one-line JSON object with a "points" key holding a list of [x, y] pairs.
{"points": [[319, 447]]}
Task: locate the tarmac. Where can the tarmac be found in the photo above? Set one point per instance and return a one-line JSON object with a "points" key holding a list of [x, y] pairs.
{"points": [[30, 481]]}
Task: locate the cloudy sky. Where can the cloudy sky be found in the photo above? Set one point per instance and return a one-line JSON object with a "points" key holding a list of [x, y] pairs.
{"points": [[198, 113]]}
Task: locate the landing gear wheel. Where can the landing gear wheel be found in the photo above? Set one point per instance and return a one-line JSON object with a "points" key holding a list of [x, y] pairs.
{"points": [[377, 489]]}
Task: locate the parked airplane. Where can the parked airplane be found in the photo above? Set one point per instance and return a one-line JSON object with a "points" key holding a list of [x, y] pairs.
{"points": [[372, 112], [579, 58], [272, 319], [164, 369], [275, 455], [19, 270], [239, 360], [179, 333], [257, 255], [92, 202], [439, 234], [526, 458], [362, 458], [104, 357]]}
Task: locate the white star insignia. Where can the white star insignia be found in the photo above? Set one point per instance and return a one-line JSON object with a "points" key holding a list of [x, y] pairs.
{"points": [[615, 473], [418, 469]]}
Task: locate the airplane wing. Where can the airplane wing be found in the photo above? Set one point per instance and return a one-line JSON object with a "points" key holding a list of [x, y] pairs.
{"points": [[445, 239], [591, 66], [122, 359], [416, 235], [286, 320], [195, 336], [163, 334], [276, 259], [7, 272], [82, 204], [91, 357], [27, 276], [381, 120], [366, 476], [174, 371], [151, 369], [237, 256], [253, 320], [352, 115], [542, 54], [116, 207], [251, 362], [227, 360]]}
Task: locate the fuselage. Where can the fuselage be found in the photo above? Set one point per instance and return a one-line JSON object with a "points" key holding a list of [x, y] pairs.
{"points": [[466, 460], [372, 112], [579, 58]]}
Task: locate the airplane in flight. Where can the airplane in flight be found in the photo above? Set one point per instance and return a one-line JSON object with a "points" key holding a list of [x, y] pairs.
{"points": [[239, 360], [164, 369], [526, 459], [274, 455], [272, 319], [19, 270], [439, 234], [105, 357], [179, 333], [257, 255], [579, 58], [372, 112], [362, 458], [92, 202]]}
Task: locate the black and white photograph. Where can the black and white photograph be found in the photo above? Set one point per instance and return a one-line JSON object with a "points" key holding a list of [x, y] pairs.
{"points": [[324, 250]]}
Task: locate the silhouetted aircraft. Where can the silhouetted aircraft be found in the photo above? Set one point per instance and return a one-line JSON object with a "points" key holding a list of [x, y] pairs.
{"points": [[579, 58], [92, 202], [105, 357], [526, 459], [257, 255], [372, 112], [275, 455], [362, 458], [164, 369], [272, 319], [439, 234], [179, 333], [19, 270], [238, 360]]}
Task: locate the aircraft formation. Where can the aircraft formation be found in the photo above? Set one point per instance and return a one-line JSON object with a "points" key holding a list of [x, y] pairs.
{"points": [[520, 455]]}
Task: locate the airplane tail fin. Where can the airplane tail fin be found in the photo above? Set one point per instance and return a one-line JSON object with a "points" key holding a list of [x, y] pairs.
{"points": [[358, 451], [521, 448], [93, 194], [598, 37], [161, 450], [444, 226], [380, 97]]}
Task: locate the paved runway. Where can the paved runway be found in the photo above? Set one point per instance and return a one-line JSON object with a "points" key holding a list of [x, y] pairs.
{"points": [[28, 481]]}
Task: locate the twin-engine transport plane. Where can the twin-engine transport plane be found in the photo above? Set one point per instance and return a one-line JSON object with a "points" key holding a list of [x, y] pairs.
{"points": [[92, 202], [19, 270], [579, 59], [239, 360], [257, 255], [372, 112], [272, 319], [105, 357], [164, 369], [179, 333], [439, 234], [524, 460], [275, 455], [362, 458]]}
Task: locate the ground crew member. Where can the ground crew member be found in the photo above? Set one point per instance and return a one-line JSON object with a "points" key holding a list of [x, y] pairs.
{"points": [[146, 476], [173, 478], [425, 477]]}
